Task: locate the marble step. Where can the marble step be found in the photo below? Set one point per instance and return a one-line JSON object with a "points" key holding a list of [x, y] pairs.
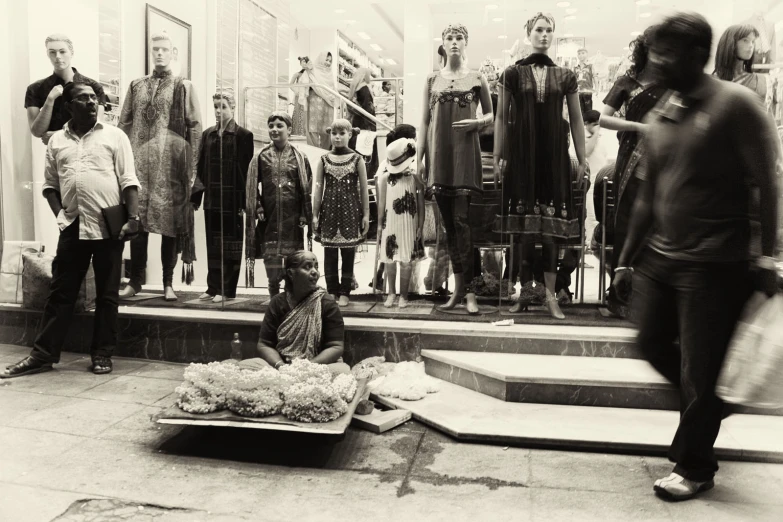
{"points": [[470, 416], [547, 379]]}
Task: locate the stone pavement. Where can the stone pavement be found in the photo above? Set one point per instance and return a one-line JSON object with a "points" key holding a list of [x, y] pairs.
{"points": [[80, 447]]}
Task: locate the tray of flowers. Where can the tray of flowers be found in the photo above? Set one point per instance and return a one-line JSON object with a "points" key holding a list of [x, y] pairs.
{"points": [[301, 397]]}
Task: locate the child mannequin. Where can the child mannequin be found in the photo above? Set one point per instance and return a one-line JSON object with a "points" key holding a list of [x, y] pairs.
{"points": [[401, 217], [341, 208]]}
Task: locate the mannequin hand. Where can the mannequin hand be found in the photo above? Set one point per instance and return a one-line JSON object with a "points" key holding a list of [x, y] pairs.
{"points": [[419, 232], [55, 93], [465, 125], [379, 233], [46, 137], [582, 175], [497, 168], [365, 224], [302, 222], [260, 214], [315, 223]]}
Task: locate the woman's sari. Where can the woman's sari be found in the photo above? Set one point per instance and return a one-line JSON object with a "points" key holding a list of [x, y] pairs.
{"points": [[299, 334]]}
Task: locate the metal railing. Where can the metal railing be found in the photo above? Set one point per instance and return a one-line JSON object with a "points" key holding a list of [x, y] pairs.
{"points": [[294, 86]]}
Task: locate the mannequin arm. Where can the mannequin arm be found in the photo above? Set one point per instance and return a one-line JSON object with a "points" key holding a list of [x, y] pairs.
{"points": [[318, 190], [421, 142], [577, 126], [486, 104], [504, 104]]}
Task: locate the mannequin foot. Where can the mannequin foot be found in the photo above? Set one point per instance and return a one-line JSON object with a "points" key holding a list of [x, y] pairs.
{"points": [[168, 294], [403, 302], [553, 307], [205, 296], [455, 299], [389, 301], [518, 307], [343, 301], [127, 292], [217, 299], [471, 304]]}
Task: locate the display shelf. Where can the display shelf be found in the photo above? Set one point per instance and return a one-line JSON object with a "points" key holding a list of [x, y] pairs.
{"points": [[352, 58]]}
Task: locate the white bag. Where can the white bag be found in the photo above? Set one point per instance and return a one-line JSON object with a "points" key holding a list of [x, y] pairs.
{"points": [[752, 374], [11, 269], [365, 141]]}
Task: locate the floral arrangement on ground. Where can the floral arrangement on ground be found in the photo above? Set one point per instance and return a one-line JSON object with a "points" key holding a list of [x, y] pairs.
{"points": [[302, 391]]}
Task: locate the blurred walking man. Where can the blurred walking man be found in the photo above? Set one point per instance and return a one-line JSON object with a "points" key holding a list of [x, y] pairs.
{"points": [[711, 150]]}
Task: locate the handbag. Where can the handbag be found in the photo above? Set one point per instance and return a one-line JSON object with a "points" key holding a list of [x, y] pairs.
{"points": [[365, 142], [754, 362], [115, 218], [37, 279], [11, 269]]}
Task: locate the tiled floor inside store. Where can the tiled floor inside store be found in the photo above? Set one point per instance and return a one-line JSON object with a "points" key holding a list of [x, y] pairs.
{"points": [[80, 447]]}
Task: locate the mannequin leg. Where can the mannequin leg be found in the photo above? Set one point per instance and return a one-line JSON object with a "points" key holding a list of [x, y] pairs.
{"points": [[525, 252], [465, 247], [138, 248], [168, 259], [391, 283], [550, 278], [446, 205], [405, 282]]}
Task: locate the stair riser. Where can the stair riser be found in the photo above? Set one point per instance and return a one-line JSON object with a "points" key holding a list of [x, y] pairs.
{"points": [[566, 394], [575, 348]]}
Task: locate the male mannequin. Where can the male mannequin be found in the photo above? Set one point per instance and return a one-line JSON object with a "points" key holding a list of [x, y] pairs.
{"points": [[162, 120], [45, 109], [584, 79]]}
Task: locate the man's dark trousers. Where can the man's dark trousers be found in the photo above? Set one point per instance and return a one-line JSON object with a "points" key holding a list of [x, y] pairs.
{"points": [[68, 271]]}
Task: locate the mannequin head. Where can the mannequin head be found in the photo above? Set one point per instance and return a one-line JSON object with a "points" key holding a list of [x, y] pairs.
{"points": [[160, 50], [340, 132], [59, 48], [735, 49], [680, 49], [224, 105], [582, 55], [81, 101], [540, 30], [455, 40], [328, 60], [303, 61], [279, 125], [640, 50]]}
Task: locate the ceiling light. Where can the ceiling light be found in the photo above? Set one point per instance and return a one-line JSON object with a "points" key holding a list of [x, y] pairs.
{"points": [[564, 4], [642, 2], [390, 61], [502, 37], [113, 61], [497, 19], [570, 17], [636, 33], [339, 11], [572, 10], [364, 36], [491, 7], [376, 47], [645, 15]]}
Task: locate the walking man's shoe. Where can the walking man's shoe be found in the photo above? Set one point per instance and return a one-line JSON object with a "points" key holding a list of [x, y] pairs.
{"points": [[676, 487], [26, 366]]}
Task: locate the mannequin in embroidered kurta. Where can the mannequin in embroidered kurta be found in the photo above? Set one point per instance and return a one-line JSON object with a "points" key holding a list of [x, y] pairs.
{"points": [[161, 117]]}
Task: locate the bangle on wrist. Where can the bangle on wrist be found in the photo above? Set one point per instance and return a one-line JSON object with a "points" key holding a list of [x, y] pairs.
{"points": [[623, 269], [278, 364]]}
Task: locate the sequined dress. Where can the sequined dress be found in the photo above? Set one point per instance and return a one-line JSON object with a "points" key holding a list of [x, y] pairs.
{"points": [[454, 158], [340, 219]]}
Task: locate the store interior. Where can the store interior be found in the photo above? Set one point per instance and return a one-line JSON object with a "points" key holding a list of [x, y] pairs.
{"points": [[304, 58]]}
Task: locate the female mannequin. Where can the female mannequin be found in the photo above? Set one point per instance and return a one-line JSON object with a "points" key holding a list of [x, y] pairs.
{"points": [[630, 99], [300, 99], [537, 189], [450, 140], [734, 58]]}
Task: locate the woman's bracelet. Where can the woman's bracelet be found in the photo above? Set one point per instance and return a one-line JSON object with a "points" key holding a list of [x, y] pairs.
{"points": [[623, 269], [278, 364]]}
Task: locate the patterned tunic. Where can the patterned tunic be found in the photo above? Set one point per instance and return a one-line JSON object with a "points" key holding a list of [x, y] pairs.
{"points": [[398, 239], [161, 117], [454, 158], [341, 209], [282, 198]]}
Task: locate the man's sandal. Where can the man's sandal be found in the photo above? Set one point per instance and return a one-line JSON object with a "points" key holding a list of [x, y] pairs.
{"points": [[101, 365]]}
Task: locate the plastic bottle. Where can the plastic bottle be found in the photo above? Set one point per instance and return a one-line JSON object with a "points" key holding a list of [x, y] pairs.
{"points": [[236, 348]]}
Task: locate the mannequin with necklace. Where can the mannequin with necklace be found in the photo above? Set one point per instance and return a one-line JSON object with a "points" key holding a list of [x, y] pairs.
{"points": [[531, 143], [449, 139]]}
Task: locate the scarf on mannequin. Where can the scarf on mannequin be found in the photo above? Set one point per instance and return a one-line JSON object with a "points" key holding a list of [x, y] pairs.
{"points": [[537, 59]]}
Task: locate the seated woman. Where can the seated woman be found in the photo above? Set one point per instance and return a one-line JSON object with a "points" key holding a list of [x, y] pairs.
{"points": [[301, 323]]}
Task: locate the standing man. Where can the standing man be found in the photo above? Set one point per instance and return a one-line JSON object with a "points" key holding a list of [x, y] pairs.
{"points": [[89, 167], [45, 108], [710, 148], [162, 120], [584, 80]]}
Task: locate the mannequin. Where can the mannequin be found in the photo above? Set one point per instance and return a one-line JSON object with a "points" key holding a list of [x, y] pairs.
{"points": [[450, 140], [161, 117], [533, 144], [734, 59], [45, 108], [222, 177]]}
